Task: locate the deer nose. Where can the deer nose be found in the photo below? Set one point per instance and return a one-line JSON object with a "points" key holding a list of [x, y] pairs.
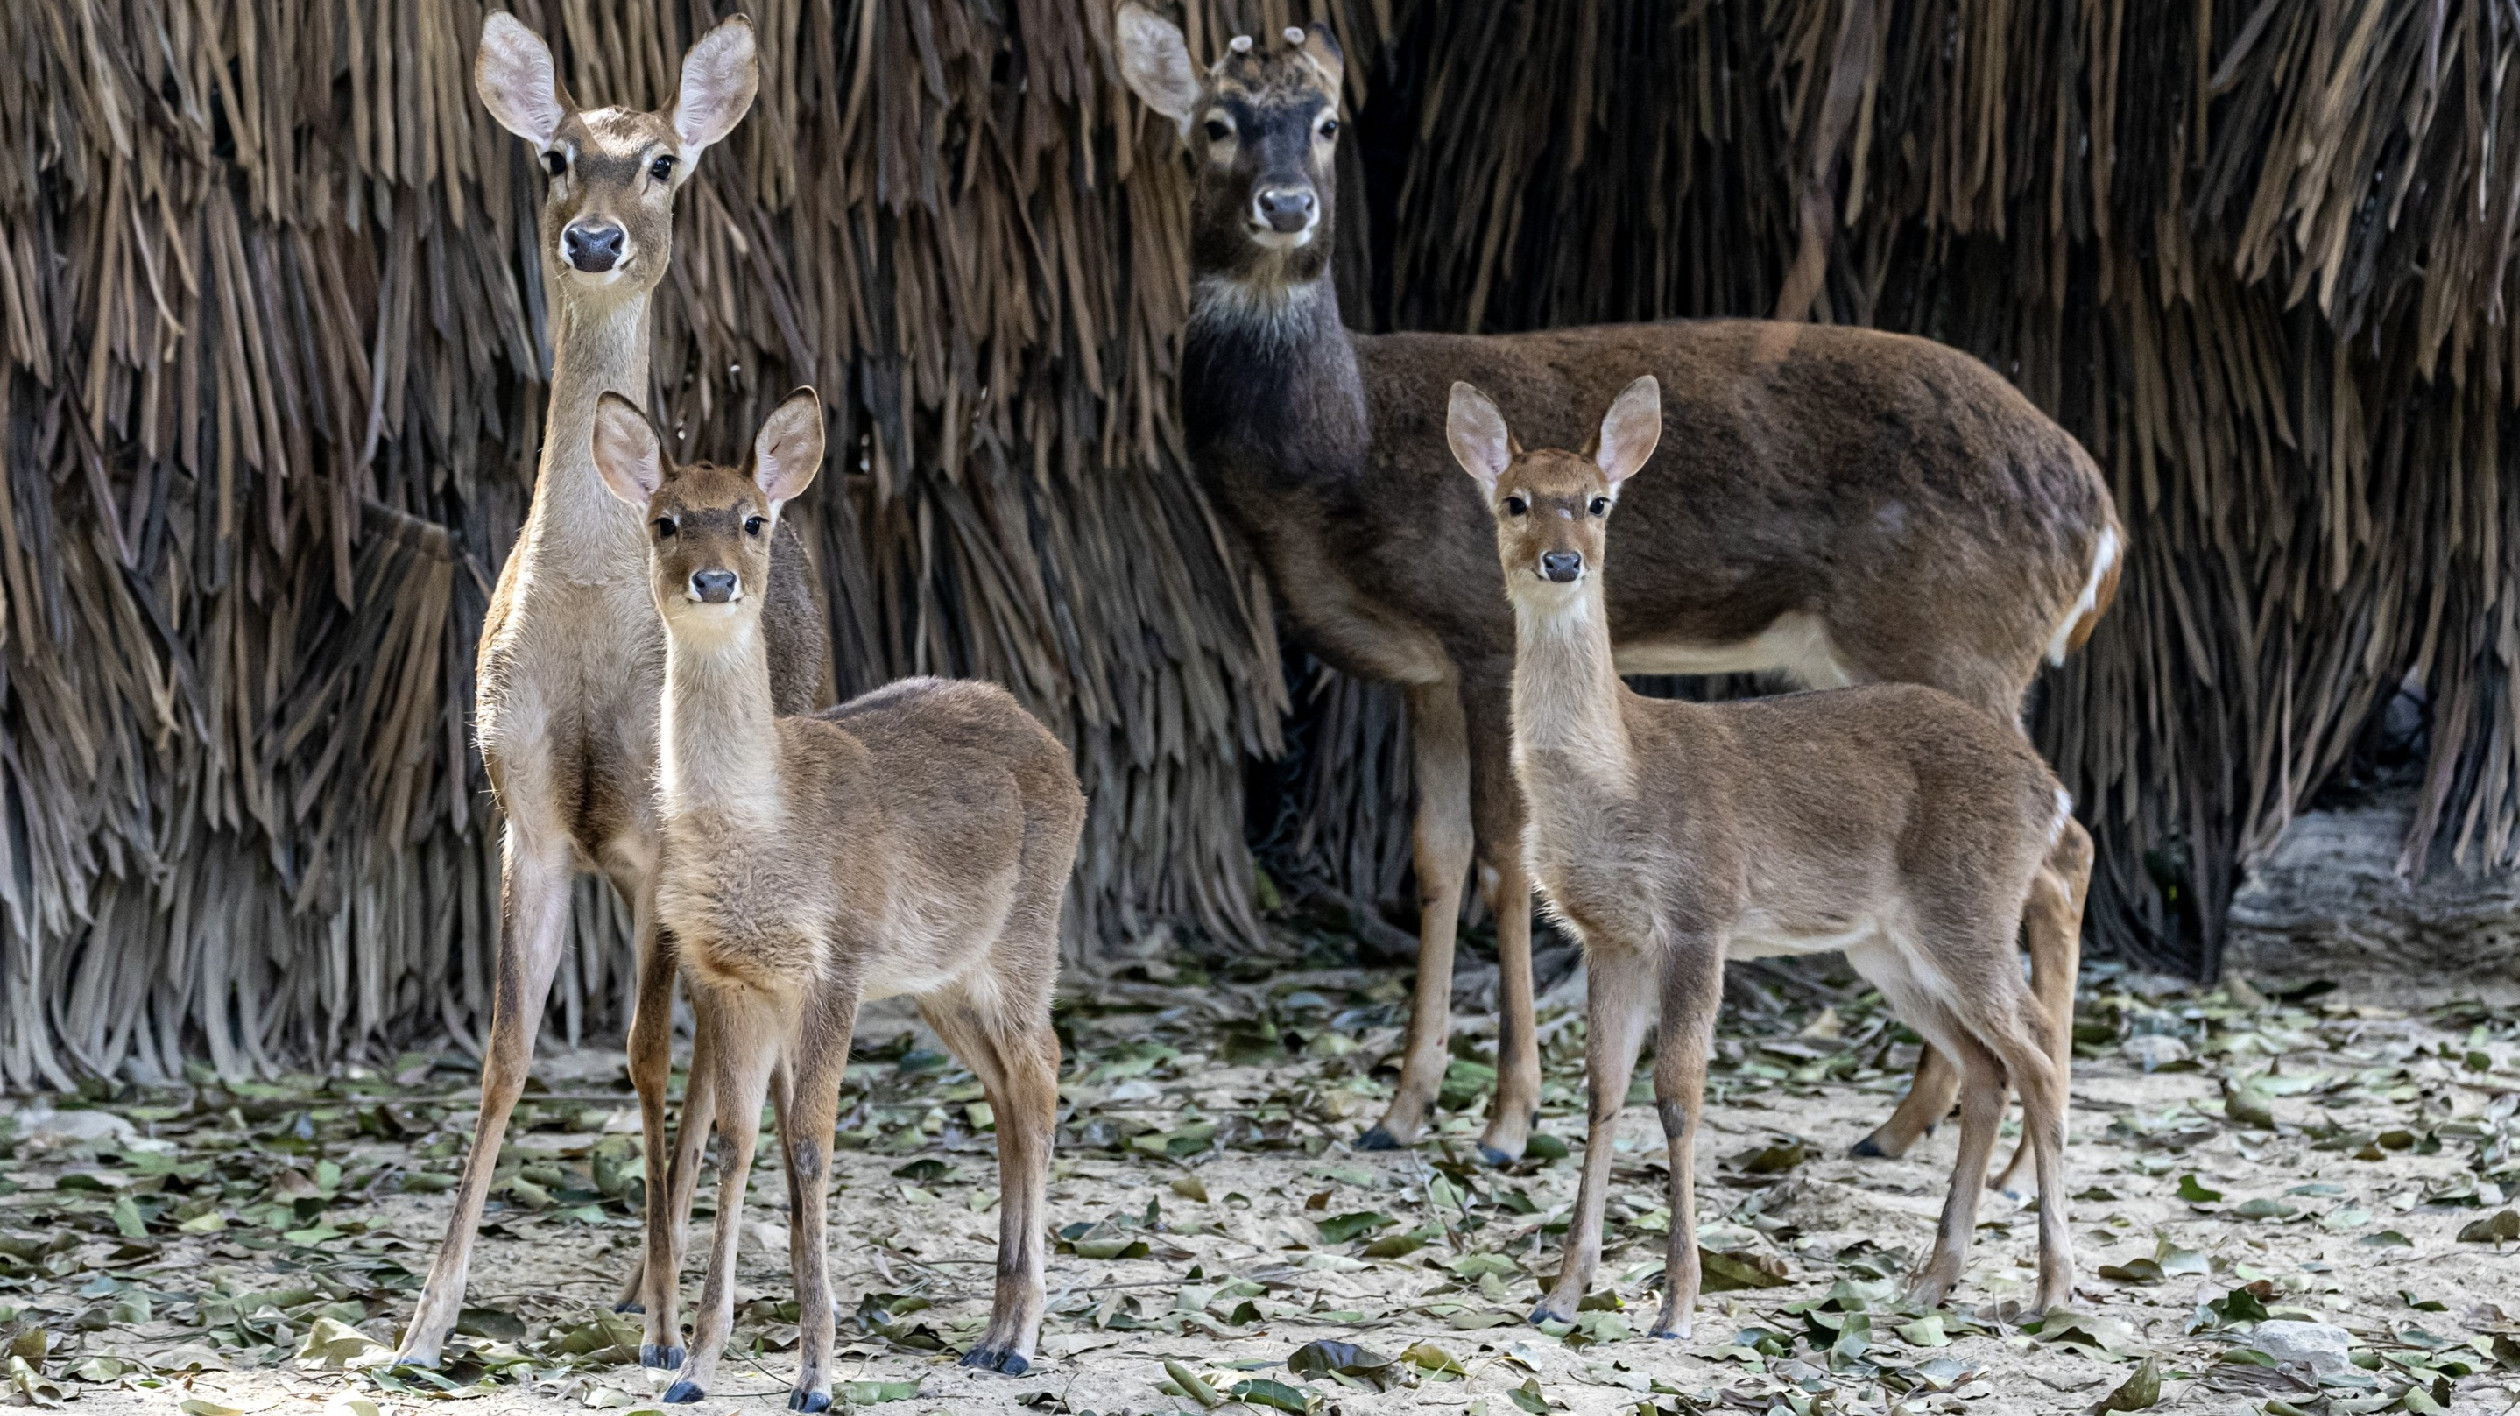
{"points": [[1283, 209], [593, 247], [713, 587], [1561, 566]]}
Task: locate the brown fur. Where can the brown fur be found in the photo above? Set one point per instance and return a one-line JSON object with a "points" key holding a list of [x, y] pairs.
{"points": [[916, 840], [571, 659], [1844, 505], [1894, 822]]}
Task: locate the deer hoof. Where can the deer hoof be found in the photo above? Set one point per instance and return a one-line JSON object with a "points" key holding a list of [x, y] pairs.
{"points": [[809, 1401], [1495, 1157], [665, 1359], [683, 1392], [1377, 1139], [1867, 1149], [629, 1305], [1671, 1334], [1546, 1314], [1005, 1360]]}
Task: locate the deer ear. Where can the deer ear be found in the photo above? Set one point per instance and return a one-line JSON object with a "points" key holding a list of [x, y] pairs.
{"points": [[1477, 434], [1156, 63], [719, 77], [517, 81], [1629, 430], [628, 455], [1322, 48], [789, 450]]}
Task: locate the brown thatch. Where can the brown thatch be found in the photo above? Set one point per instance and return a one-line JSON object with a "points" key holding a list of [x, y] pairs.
{"points": [[273, 363]]}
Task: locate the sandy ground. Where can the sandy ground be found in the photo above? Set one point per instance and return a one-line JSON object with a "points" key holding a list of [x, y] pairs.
{"points": [[245, 1248]]}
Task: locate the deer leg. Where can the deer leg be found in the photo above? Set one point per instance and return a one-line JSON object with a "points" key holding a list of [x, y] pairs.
{"points": [[1981, 1115], [1616, 1008], [745, 1047], [805, 1130], [1445, 842], [1016, 1058], [661, 1268], [651, 1047], [2053, 923], [1692, 989], [1928, 1101], [1496, 802], [534, 903]]}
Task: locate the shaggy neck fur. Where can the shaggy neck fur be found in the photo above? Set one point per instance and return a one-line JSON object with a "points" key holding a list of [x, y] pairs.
{"points": [[1566, 689], [1267, 366], [719, 760], [599, 345]]}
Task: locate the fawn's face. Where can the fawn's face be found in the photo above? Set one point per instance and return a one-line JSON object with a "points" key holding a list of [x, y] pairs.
{"points": [[1552, 508], [611, 174], [709, 527], [1263, 128]]}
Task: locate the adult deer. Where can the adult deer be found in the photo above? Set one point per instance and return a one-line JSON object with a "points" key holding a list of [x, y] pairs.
{"points": [[572, 659], [1843, 505], [1893, 821], [916, 840]]}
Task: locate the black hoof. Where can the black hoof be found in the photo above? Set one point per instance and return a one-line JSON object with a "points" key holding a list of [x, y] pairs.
{"points": [[809, 1401], [997, 1359], [1493, 1156], [421, 1364], [1377, 1139], [629, 1305], [1667, 1334], [1543, 1315], [664, 1359], [1866, 1149], [683, 1393]]}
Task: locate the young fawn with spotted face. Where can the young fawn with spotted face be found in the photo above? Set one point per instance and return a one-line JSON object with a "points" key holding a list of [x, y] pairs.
{"points": [[1893, 822], [916, 840]]}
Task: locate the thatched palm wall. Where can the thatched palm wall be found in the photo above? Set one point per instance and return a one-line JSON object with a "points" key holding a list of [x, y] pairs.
{"points": [[271, 324]]}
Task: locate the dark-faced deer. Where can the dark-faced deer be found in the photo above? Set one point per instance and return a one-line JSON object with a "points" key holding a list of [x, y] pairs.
{"points": [[913, 841], [1893, 822], [571, 659], [1842, 505]]}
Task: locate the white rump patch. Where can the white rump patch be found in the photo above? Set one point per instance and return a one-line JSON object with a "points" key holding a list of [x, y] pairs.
{"points": [[2103, 556], [2064, 813]]}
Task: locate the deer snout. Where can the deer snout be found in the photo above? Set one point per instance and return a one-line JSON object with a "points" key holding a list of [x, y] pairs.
{"points": [[1562, 566], [1289, 211], [593, 246], [714, 587]]}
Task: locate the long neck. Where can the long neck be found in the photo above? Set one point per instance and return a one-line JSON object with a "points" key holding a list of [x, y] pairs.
{"points": [[1267, 367], [599, 345], [1566, 688], [719, 757]]}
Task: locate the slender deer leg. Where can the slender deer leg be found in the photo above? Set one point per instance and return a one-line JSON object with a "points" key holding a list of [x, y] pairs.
{"points": [[746, 1048], [2028, 1055], [1928, 1101], [2053, 922], [1445, 842], [1496, 802], [1692, 989], [1981, 1115], [1621, 998], [651, 1045], [1016, 1058], [661, 1263], [534, 895], [813, 1111]]}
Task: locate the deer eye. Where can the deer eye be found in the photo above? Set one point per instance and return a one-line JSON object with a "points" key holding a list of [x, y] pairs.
{"points": [[1516, 506], [1329, 128], [556, 163], [1601, 506], [1218, 130], [664, 527], [662, 169], [752, 525]]}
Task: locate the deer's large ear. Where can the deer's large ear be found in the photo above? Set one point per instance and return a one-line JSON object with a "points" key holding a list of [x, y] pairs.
{"points": [[790, 449], [628, 455], [1322, 48], [719, 78], [1156, 63], [517, 80], [1477, 434], [1629, 430]]}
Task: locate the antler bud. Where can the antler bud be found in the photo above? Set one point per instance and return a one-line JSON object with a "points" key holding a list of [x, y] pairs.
{"points": [[1295, 34], [1241, 44]]}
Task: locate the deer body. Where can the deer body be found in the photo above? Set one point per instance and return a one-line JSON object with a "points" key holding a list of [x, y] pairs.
{"points": [[1843, 505], [916, 840], [1893, 822], [571, 659]]}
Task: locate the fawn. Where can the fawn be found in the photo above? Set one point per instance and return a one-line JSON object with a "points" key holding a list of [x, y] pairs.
{"points": [[916, 840], [1894, 822], [1846, 505]]}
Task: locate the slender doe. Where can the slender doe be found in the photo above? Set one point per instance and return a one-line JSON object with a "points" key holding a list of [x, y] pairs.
{"points": [[1844, 505], [916, 840], [571, 658], [1894, 822]]}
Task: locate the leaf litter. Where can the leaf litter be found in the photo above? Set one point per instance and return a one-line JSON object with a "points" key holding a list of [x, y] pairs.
{"points": [[2316, 1164]]}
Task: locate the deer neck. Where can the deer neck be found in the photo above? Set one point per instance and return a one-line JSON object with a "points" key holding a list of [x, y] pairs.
{"points": [[1567, 691], [1268, 371], [718, 763], [599, 345]]}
